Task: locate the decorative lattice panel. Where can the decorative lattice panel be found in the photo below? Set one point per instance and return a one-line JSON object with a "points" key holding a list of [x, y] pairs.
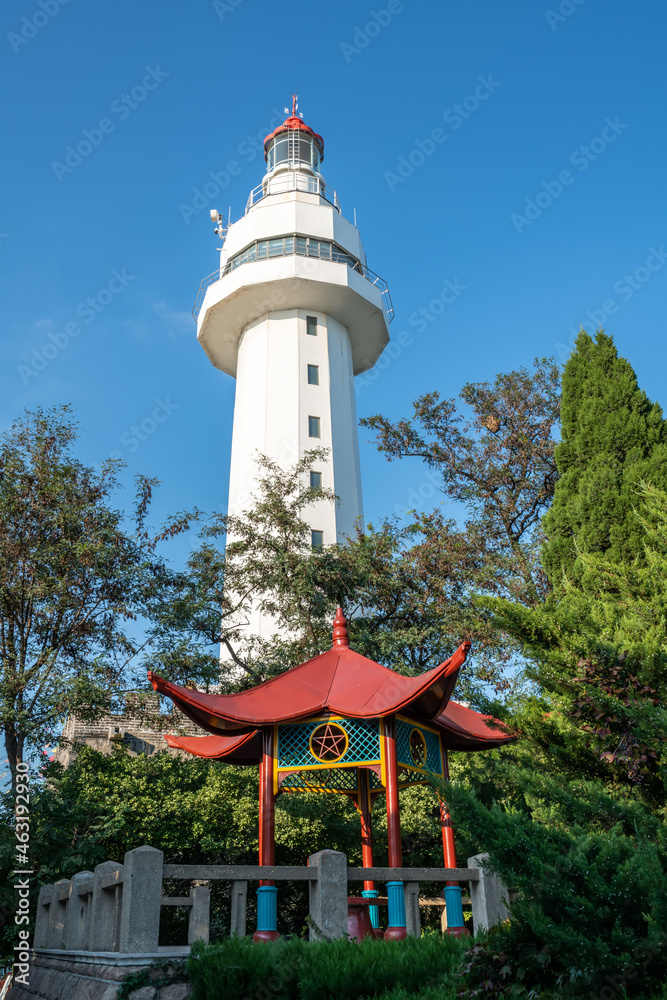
{"points": [[342, 779], [294, 743], [407, 747]]}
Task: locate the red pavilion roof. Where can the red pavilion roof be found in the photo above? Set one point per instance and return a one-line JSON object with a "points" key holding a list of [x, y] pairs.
{"points": [[244, 749], [339, 681], [465, 729]]}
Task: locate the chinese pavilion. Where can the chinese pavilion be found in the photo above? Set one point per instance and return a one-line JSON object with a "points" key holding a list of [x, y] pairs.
{"points": [[341, 723]]}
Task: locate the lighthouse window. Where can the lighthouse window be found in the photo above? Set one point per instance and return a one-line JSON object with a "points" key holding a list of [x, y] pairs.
{"points": [[317, 539], [311, 326], [313, 427], [316, 480], [313, 374]]}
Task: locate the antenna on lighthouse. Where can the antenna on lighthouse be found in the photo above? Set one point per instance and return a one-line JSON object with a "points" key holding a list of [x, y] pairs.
{"points": [[295, 107], [221, 229]]}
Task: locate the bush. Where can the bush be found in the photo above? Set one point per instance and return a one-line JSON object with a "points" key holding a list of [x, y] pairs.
{"points": [[300, 970]]}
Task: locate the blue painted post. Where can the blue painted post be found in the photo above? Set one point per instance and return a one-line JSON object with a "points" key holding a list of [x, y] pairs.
{"points": [[373, 911], [454, 910], [267, 913], [396, 930]]}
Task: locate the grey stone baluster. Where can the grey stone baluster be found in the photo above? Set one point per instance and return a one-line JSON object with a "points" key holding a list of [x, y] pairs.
{"points": [[413, 923], [58, 913], [488, 896], [142, 895], [42, 920], [239, 908], [328, 895], [78, 912], [200, 913], [103, 929]]}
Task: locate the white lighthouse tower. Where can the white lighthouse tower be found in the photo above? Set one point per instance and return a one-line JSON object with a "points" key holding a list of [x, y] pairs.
{"points": [[293, 314]]}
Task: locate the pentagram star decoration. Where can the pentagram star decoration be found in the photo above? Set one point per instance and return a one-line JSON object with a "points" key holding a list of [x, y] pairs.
{"points": [[328, 742]]}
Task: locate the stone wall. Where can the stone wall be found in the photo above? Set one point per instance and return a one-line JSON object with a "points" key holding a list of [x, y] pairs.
{"points": [[139, 728]]}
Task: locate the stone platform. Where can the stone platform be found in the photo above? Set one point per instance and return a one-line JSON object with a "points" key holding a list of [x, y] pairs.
{"points": [[86, 975]]}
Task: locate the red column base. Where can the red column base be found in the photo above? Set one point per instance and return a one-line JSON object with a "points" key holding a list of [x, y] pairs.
{"points": [[458, 932], [265, 936], [395, 934]]}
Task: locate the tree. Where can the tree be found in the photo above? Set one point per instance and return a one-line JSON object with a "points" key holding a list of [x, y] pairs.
{"points": [[405, 591], [612, 438], [72, 584], [573, 816], [499, 463], [196, 811]]}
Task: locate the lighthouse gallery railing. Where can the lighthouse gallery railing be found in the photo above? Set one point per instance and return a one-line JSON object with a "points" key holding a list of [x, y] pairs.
{"points": [[301, 246]]}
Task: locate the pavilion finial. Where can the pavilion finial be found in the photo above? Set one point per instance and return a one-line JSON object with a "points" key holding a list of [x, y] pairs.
{"points": [[340, 636]]}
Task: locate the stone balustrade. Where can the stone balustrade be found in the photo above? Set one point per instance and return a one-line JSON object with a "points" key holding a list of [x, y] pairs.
{"points": [[99, 925], [116, 908]]}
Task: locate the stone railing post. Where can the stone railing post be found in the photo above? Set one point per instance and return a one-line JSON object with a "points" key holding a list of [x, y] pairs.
{"points": [[412, 916], [78, 911], [58, 913], [103, 929], [488, 896], [43, 918], [142, 896], [239, 904], [200, 912], [328, 895]]}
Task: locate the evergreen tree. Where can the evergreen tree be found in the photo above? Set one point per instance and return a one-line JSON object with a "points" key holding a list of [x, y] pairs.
{"points": [[612, 437], [573, 816]]}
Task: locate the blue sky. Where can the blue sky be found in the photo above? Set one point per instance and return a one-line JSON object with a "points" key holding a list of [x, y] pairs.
{"points": [[571, 90]]}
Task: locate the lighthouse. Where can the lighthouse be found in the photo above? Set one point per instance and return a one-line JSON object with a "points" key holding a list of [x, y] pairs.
{"points": [[293, 313]]}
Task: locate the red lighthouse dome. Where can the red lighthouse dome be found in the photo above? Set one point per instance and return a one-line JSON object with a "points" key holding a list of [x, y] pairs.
{"points": [[293, 144]]}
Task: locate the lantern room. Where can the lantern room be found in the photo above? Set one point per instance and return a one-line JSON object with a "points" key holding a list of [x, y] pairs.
{"points": [[294, 146]]}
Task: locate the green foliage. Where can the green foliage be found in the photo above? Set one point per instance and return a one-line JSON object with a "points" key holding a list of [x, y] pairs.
{"points": [[196, 812], [73, 582], [300, 970], [406, 592], [574, 815], [498, 462], [613, 437], [592, 888]]}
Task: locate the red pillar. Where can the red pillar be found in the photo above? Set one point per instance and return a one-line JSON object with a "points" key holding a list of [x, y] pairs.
{"points": [[266, 894], [391, 780], [396, 930], [266, 803], [455, 925], [448, 847], [366, 829]]}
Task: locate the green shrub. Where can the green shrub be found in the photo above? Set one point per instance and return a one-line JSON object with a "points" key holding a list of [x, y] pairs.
{"points": [[300, 970]]}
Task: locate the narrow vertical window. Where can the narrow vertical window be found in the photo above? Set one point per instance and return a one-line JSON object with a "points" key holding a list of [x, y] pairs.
{"points": [[316, 480], [313, 427], [313, 374], [317, 539], [311, 326]]}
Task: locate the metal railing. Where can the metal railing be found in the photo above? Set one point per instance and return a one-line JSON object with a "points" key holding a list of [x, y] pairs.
{"points": [[292, 181], [292, 249]]}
